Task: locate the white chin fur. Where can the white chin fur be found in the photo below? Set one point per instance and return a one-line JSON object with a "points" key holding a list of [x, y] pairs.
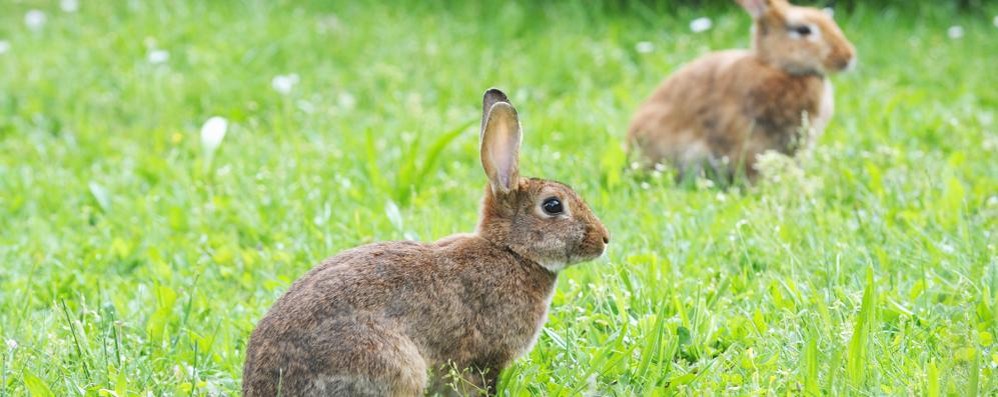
{"points": [[554, 267]]}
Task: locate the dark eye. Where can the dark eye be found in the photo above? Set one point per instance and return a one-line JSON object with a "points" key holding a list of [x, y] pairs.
{"points": [[802, 30], [552, 206]]}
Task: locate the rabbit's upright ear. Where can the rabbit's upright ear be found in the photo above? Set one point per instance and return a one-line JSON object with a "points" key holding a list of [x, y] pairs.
{"points": [[758, 8], [491, 97], [501, 137]]}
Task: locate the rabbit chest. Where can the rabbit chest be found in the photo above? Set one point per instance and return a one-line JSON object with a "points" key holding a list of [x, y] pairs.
{"points": [[786, 112], [492, 320]]}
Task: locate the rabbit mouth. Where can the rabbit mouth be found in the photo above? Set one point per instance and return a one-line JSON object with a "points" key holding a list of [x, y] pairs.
{"points": [[588, 253], [571, 257]]}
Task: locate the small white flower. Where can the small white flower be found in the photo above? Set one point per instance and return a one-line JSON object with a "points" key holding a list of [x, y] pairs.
{"points": [[645, 185], [157, 57], [306, 106], [35, 19], [212, 133], [69, 5], [4, 46], [947, 248], [995, 21], [955, 32], [704, 183], [11, 344], [346, 100], [701, 24], [990, 143], [284, 83], [644, 47]]}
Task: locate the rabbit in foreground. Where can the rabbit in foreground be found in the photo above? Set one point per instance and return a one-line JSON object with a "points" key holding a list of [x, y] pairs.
{"points": [[716, 114], [373, 320]]}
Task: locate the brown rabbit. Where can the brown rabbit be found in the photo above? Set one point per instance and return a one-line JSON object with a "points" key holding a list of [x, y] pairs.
{"points": [[373, 320], [719, 112]]}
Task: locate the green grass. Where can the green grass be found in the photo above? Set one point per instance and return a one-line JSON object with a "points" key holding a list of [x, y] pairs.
{"points": [[136, 261]]}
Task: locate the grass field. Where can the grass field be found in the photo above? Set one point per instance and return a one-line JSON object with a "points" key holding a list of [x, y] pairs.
{"points": [[136, 259]]}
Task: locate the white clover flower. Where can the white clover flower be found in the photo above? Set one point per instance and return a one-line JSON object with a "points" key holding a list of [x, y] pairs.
{"points": [[284, 83], [701, 24], [346, 100], [11, 344], [157, 57], [955, 32], [35, 19], [69, 5], [947, 248], [644, 47], [212, 133], [4, 46]]}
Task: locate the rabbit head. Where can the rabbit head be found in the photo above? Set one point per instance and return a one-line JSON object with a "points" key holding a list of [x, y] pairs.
{"points": [[800, 40], [541, 220]]}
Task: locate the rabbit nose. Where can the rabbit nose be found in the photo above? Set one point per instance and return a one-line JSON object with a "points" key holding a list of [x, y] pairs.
{"points": [[851, 65], [844, 64]]}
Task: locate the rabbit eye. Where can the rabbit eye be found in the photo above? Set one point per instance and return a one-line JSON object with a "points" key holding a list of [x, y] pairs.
{"points": [[552, 206], [802, 30]]}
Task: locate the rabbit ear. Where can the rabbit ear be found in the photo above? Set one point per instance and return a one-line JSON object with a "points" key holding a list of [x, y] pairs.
{"points": [[491, 97], [758, 8], [500, 149]]}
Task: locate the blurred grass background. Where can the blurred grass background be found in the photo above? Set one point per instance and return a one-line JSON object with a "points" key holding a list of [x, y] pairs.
{"points": [[136, 259]]}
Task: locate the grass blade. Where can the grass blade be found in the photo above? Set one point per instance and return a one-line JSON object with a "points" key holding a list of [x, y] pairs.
{"points": [[433, 152], [36, 387], [811, 364], [856, 362]]}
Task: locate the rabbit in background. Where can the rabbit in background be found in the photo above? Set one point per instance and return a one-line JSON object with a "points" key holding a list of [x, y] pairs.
{"points": [[716, 114], [375, 320]]}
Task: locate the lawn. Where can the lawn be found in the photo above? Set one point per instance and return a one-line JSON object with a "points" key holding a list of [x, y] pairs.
{"points": [[137, 257]]}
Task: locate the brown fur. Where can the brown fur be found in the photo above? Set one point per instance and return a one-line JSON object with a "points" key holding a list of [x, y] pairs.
{"points": [[373, 320], [719, 112]]}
